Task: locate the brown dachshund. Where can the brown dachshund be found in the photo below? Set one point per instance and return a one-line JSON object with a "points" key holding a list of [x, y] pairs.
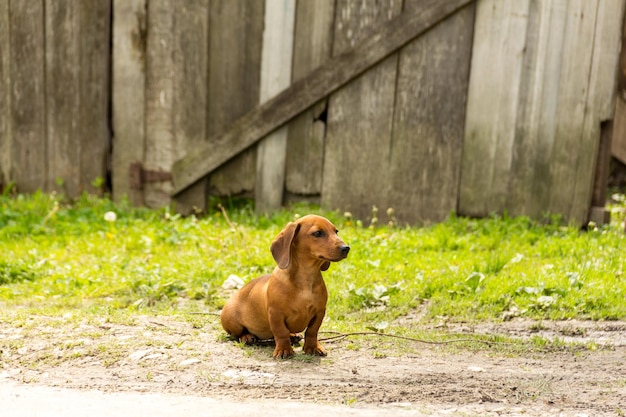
{"points": [[293, 297]]}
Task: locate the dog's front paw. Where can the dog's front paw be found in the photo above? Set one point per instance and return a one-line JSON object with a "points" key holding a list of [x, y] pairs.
{"points": [[315, 350], [283, 353]]}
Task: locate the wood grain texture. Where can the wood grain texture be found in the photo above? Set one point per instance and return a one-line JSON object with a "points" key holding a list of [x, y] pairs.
{"points": [[5, 98], [302, 94], [536, 151], [496, 70], [28, 128], [536, 116], [63, 96], [570, 139], [360, 118], [235, 45], [275, 77], [76, 95], [429, 120], [190, 92], [618, 138], [307, 131], [160, 145], [599, 108], [128, 95], [94, 95]]}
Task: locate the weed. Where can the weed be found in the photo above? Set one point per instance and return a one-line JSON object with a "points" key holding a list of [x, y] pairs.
{"points": [[304, 358], [15, 271], [573, 331], [537, 327], [372, 297], [349, 401], [533, 389]]}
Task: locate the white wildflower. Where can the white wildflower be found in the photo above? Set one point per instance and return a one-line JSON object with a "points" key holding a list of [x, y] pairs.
{"points": [[110, 216]]}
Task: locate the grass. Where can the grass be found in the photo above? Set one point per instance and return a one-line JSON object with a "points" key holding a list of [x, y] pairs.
{"points": [[58, 258]]}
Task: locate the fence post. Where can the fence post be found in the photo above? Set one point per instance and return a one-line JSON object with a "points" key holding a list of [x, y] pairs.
{"points": [[128, 90], [275, 77]]}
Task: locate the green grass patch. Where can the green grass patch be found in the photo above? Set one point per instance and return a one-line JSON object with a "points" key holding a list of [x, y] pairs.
{"points": [[58, 257]]}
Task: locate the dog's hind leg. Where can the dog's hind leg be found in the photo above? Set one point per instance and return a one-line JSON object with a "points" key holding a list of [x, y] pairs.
{"points": [[231, 323]]}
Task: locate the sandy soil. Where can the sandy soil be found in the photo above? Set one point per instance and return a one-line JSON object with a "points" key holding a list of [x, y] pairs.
{"points": [[166, 356]]}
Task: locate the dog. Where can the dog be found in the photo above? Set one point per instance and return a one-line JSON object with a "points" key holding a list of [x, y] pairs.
{"points": [[293, 297]]}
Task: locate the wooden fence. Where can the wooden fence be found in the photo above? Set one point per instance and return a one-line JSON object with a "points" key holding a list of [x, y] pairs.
{"points": [[426, 106], [54, 94]]}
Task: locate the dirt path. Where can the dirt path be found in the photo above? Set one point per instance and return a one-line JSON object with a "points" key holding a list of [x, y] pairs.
{"points": [[169, 358]]}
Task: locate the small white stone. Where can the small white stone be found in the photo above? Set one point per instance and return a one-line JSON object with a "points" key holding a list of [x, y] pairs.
{"points": [[137, 355], [190, 361], [233, 282]]}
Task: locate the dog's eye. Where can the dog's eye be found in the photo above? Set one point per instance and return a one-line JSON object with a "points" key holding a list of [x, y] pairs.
{"points": [[318, 233]]}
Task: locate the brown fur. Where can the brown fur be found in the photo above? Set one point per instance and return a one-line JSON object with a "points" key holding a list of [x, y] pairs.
{"points": [[293, 297]]}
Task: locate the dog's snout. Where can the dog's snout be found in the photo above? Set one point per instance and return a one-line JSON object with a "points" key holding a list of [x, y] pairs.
{"points": [[344, 249]]}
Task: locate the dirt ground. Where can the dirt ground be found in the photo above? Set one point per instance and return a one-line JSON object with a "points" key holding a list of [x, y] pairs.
{"points": [[163, 355]]}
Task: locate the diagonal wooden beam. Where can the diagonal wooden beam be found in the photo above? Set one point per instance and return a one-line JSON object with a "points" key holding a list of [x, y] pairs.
{"points": [[302, 94]]}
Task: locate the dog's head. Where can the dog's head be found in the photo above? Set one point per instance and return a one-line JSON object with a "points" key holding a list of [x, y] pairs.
{"points": [[309, 240]]}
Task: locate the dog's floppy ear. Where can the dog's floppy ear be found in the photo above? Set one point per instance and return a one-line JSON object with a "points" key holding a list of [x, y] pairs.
{"points": [[281, 246], [325, 266]]}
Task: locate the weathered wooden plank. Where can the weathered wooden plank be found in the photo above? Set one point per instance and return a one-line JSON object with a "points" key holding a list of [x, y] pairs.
{"points": [[28, 133], [5, 98], [570, 139], [595, 140], [529, 190], [76, 53], [93, 125], [307, 131], [618, 139], [160, 144], [235, 45], [275, 77], [565, 83], [429, 119], [128, 95], [62, 96], [306, 92], [606, 57], [190, 92], [496, 70], [360, 118], [549, 104], [530, 185]]}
